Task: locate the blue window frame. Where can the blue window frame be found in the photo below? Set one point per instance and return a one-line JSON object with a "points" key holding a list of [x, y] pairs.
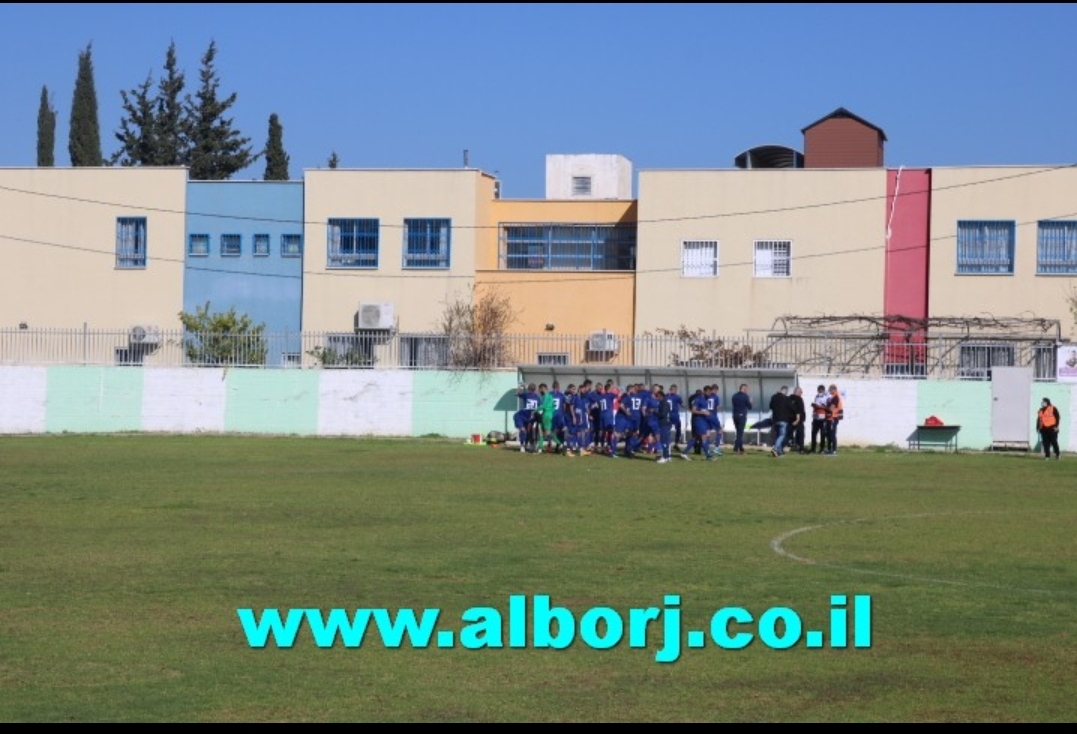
{"points": [[985, 247], [427, 243], [352, 243], [131, 242], [1056, 248], [198, 245], [260, 245], [231, 245], [545, 246], [291, 245]]}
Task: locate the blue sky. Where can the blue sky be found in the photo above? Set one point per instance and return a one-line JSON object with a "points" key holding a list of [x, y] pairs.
{"points": [[668, 86]]}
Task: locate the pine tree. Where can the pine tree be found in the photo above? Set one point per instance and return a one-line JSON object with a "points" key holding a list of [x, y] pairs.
{"points": [[84, 143], [138, 128], [172, 137], [46, 131], [276, 158], [334, 161], [217, 150]]}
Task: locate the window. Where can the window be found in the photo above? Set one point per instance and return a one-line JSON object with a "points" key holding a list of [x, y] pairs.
{"points": [[581, 185], [773, 258], [567, 246], [1056, 248], [260, 245], [198, 245], [291, 245], [291, 360], [559, 360], [353, 243], [231, 245], [1045, 362], [976, 360], [699, 258], [131, 242], [130, 356], [348, 350], [426, 243], [424, 351], [985, 247]]}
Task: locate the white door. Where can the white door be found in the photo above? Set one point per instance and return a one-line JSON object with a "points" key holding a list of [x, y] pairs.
{"points": [[1011, 398]]}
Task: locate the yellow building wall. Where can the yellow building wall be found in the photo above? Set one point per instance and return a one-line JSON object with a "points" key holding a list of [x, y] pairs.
{"points": [[1024, 195], [58, 234], [834, 221], [573, 302], [331, 296]]}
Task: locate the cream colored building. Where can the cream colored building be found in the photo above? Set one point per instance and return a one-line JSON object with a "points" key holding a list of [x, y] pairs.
{"points": [[1004, 243], [402, 242], [100, 247], [734, 250]]}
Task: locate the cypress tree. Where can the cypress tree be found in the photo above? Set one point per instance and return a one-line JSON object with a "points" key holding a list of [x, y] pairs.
{"points": [[172, 133], [334, 161], [138, 128], [46, 131], [84, 143], [217, 150], [276, 158]]}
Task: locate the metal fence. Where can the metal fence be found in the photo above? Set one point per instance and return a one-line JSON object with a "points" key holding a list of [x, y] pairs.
{"points": [[943, 357]]}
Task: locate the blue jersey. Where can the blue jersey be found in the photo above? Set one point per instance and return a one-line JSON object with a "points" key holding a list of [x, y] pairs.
{"points": [[650, 405], [700, 403], [701, 422], [650, 412], [529, 401], [605, 410], [675, 402]]}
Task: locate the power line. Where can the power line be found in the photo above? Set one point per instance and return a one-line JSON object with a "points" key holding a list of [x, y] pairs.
{"points": [[717, 215], [563, 276]]}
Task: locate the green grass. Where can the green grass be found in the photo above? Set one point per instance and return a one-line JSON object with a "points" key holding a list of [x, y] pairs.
{"points": [[123, 560]]}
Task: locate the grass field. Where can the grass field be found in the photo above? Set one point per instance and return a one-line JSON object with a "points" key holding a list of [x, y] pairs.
{"points": [[124, 559]]}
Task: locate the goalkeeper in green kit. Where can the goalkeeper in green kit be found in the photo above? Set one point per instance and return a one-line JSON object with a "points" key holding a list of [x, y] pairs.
{"points": [[547, 408]]}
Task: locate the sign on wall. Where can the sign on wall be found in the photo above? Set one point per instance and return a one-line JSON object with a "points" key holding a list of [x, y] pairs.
{"points": [[1067, 363]]}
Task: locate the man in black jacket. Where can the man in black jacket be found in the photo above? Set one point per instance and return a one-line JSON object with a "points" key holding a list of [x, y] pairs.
{"points": [[781, 413], [741, 404], [800, 416]]}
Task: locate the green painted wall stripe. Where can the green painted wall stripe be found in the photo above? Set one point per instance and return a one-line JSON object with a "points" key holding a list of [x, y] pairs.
{"points": [[966, 404], [271, 401], [460, 404], [94, 399]]}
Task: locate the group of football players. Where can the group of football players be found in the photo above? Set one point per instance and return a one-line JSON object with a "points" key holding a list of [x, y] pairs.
{"points": [[603, 419]]}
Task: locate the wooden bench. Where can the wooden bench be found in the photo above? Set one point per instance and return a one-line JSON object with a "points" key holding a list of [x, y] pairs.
{"points": [[935, 435]]}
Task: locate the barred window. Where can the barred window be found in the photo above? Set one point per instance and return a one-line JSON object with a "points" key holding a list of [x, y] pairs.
{"points": [[353, 243], [1056, 248], [427, 243], [773, 258], [985, 247], [699, 258], [131, 242]]}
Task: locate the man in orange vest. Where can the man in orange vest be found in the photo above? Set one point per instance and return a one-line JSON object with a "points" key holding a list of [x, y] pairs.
{"points": [[1047, 425]]}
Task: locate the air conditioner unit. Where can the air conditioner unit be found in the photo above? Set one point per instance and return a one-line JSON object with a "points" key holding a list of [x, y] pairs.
{"points": [[144, 336], [602, 342], [375, 317]]}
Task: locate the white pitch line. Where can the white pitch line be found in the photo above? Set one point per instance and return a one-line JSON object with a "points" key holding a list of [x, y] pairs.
{"points": [[777, 545]]}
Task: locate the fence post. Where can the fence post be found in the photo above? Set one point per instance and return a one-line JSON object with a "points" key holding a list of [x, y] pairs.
{"points": [[85, 338]]}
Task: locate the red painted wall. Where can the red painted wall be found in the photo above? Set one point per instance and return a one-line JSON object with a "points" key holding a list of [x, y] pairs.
{"points": [[908, 247]]}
